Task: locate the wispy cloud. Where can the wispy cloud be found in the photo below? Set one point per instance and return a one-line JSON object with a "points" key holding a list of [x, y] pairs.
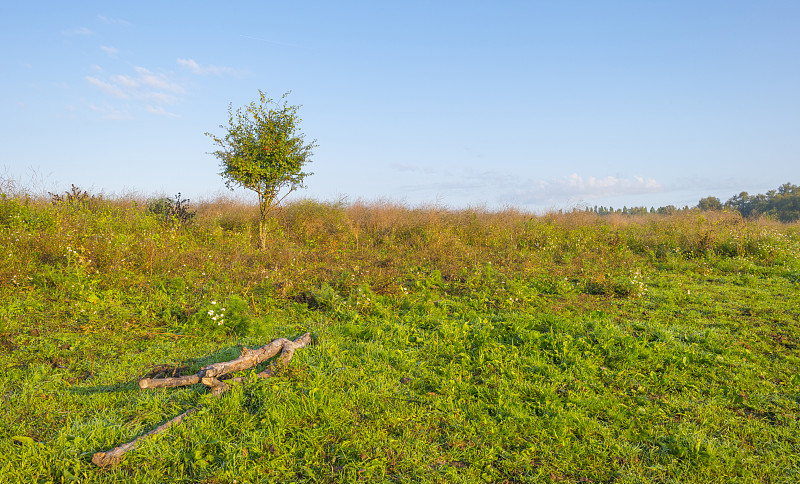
{"points": [[159, 110], [575, 187], [126, 82], [412, 168], [156, 97], [113, 21], [109, 112], [267, 41], [77, 31], [518, 190], [108, 88], [155, 90], [111, 51], [158, 81], [202, 70]]}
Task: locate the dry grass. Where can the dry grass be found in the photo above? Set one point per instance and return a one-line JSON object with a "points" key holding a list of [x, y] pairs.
{"points": [[511, 345], [380, 243]]}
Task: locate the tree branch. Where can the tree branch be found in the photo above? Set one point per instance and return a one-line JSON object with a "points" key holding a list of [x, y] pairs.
{"points": [[248, 359], [209, 376]]}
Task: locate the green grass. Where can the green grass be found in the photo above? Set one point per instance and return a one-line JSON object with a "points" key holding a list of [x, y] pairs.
{"points": [[449, 346]]}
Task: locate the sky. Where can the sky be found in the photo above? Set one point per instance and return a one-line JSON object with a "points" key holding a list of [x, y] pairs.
{"points": [[537, 105]]}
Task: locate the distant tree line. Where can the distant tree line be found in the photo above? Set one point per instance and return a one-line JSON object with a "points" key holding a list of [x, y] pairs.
{"points": [[668, 210], [783, 204]]}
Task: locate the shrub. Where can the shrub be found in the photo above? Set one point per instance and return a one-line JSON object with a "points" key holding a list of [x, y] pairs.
{"points": [[172, 211]]}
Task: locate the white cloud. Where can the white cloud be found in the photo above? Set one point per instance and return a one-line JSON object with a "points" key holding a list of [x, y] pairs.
{"points": [[158, 97], [514, 189], [159, 110], [112, 51], [113, 21], [108, 88], [154, 90], [126, 82], [191, 65], [110, 112], [574, 187], [201, 70], [158, 81]]}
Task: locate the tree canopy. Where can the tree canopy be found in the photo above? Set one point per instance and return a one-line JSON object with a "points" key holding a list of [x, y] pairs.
{"points": [[783, 203], [709, 203], [264, 150]]}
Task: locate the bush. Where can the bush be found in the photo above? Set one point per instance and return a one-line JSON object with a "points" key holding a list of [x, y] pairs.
{"points": [[172, 211]]}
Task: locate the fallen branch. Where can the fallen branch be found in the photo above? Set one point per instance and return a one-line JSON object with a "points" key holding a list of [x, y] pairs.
{"points": [[209, 376], [114, 456]]}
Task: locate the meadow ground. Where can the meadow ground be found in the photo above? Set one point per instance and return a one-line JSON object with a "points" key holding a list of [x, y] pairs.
{"points": [[449, 346]]}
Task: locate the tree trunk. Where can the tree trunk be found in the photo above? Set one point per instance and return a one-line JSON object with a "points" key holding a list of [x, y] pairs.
{"points": [[262, 234]]}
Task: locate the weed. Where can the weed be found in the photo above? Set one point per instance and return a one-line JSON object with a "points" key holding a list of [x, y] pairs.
{"points": [[75, 196]]}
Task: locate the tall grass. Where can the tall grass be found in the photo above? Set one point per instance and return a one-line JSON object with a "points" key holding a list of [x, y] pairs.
{"points": [[452, 345]]}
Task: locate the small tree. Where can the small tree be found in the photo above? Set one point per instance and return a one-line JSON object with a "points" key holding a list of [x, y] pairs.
{"points": [[264, 151]]}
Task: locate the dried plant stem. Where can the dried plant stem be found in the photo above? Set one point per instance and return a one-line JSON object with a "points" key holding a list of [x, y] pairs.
{"points": [[209, 377]]}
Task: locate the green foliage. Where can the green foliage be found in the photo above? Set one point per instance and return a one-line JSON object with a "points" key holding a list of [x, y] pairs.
{"points": [[667, 210], [13, 209], [783, 203], [709, 203], [218, 318], [264, 151], [450, 346]]}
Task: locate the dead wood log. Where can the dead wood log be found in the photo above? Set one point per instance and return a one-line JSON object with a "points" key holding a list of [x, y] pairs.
{"points": [[209, 376]]}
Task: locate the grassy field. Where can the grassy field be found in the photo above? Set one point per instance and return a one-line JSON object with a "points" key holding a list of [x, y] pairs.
{"points": [[449, 346]]}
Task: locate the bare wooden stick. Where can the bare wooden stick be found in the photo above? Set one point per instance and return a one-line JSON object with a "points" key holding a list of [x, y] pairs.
{"points": [[169, 382], [208, 376], [114, 456]]}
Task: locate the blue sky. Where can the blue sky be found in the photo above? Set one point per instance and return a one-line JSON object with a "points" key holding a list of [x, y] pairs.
{"points": [[536, 104]]}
